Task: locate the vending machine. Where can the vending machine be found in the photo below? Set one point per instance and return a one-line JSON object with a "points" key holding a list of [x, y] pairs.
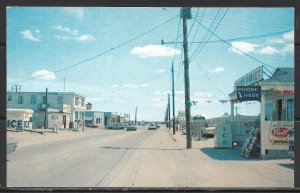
{"points": [[223, 136]]}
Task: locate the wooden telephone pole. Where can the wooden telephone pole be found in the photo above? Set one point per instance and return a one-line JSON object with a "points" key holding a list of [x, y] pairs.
{"points": [[186, 14]]}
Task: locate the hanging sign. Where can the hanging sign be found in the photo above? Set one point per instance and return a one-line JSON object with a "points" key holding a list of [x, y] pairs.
{"points": [[248, 93], [252, 77]]}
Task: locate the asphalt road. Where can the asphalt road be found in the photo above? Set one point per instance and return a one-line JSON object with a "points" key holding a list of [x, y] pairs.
{"points": [[142, 158], [89, 161]]}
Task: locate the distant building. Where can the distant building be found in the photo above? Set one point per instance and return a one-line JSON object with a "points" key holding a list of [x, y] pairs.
{"points": [[94, 119], [66, 102]]}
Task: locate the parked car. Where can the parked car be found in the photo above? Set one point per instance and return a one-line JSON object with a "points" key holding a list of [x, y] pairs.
{"points": [[11, 145], [208, 131], [157, 125], [291, 144], [130, 128], [116, 127], [152, 126]]}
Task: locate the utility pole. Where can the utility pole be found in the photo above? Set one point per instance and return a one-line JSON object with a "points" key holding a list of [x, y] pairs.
{"points": [[186, 14], [169, 112], [173, 98], [135, 115], [46, 112]]}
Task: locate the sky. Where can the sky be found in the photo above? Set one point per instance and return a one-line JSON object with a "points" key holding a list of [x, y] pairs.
{"points": [[114, 56]]}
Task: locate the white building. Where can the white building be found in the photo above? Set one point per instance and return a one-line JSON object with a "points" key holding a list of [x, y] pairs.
{"points": [[56, 100]]}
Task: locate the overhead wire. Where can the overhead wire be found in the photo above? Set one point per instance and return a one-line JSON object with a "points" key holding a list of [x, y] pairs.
{"points": [[206, 33], [210, 36], [180, 61], [102, 53], [253, 58]]}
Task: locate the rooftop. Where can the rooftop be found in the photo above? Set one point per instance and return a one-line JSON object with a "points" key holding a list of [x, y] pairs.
{"points": [[282, 75]]}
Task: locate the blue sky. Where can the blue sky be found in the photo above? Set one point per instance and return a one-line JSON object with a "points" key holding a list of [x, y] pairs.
{"points": [[42, 40]]}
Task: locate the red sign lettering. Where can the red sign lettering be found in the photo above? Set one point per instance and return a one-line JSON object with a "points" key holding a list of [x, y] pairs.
{"points": [[280, 132]]}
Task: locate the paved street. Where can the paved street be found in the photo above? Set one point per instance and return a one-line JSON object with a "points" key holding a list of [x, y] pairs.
{"points": [[142, 158]]}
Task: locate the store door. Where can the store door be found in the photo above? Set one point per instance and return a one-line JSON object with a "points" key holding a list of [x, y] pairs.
{"points": [[64, 121]]}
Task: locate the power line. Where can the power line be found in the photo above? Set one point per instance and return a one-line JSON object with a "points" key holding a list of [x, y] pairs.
{"points": [[125, 88], [259, 61], [103, 53], [210, 36], [206, 34], [180, 64]]}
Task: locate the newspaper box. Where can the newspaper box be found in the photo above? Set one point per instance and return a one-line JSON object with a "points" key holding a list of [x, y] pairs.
{"points": [[223, 136]]}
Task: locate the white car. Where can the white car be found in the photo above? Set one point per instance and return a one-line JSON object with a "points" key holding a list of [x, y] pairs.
{"points": [[208, 131], [152, 126]]}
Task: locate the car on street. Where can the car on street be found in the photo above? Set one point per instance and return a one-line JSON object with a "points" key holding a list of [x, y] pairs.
{"points": [[11, 145], [152, 126], [130, 128], [208, 131], [115, 127], [157, 125]]}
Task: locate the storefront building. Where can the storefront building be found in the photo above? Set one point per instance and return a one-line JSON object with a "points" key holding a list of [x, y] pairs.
{"points": [[276, 96], [94, 119]]}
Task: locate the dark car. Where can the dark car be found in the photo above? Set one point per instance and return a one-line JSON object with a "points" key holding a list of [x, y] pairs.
{"points": [[130, 128], [115, 127]]}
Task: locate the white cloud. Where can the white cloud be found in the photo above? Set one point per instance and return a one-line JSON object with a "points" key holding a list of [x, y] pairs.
{"points": [[289, 48], [65, 29], [289, 36], [75, 11], [246, 47], [73, 34], [219, 69], [44, 75], [136, 85], [86, 37], [27, 34], [162, 70], [154, 51], [268, 50], [203, 94], [161, 93]]}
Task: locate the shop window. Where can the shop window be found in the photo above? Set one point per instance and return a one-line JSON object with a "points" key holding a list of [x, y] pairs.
{"points": [[98, 120], [9, 98], [33, 99], [44, 99], [290, 110], [20, 99], [269, 111], [82, 102], [279, 110], [76, 101]]}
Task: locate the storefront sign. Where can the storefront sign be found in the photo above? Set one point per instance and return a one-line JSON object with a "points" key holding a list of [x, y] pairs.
{"points": [[66, 108], [250, 78], [279, 132], [14, 124], [248, 93]]}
